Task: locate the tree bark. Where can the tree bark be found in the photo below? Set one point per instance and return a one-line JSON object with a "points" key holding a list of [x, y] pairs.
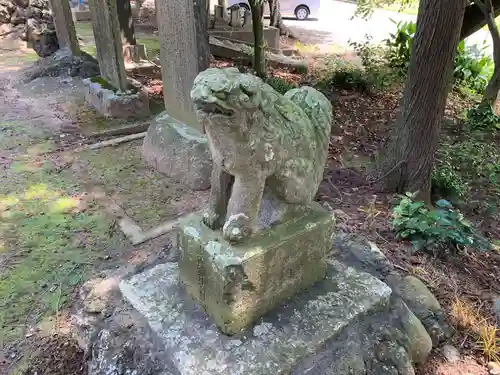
{"points": [[259, 61], [406, 160], [491, 90], [474, 19]]}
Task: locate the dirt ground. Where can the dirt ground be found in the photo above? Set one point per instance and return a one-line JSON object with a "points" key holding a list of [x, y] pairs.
{"points": [[57, 231]]}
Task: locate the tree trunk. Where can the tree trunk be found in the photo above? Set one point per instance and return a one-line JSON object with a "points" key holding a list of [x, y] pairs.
{"points": [[259, 63], [474, 19], [201, 15], [275, 19], [491, 90], [406, 160]]}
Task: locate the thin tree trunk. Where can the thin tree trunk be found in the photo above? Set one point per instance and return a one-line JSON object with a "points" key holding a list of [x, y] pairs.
{"points": [[406, 160], [491, 90], [259, 63]]}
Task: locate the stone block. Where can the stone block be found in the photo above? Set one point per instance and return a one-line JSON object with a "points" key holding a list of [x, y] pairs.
{"points": [[178, 150], [271, 35], [81, 15], [237, 284], [134, 53], [109, 48], [347, 324], [133, 103]]}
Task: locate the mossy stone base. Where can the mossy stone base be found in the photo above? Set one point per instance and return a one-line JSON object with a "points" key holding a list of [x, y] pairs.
{"points": [[237, 284]]}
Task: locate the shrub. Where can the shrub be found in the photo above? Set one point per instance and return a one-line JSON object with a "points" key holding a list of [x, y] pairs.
{"points": [[373, 74], [434, 229], [400, 44], [472, 67], [481, 117], [279, 84], [461, 163], [342, 74]]}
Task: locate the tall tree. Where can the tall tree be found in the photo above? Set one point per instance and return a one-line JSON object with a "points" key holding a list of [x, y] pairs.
{"points": [[405, 162], [259, 61]]}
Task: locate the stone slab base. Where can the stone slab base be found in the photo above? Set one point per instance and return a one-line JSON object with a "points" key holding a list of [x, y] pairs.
{"points": [[237, 284], [134, 53], [130, 104], [81, 15], [178, 150], [271, 35], [347, 324]]}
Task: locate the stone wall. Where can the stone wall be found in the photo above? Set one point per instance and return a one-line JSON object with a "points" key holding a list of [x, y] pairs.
{"points": [[31, 21]]}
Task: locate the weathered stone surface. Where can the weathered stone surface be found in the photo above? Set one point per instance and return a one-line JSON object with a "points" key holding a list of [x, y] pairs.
{"points": [[41, 36], [347, 324], [262, 138], [65, 28], [450, 353], [363, 255], [133, 103], [236, 285], [108, 42], [134, 53], [271, 35], [61, 63], [184, 52], [424, 305], [179, 151]]}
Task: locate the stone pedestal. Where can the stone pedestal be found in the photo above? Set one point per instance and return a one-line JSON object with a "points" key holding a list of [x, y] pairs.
{"points": [[178, 150], [134, 53], [235, 16], [184, 52], [347, 324], [108, 42], [131, 103], [65, 28], [237, 284], [220, 16]]}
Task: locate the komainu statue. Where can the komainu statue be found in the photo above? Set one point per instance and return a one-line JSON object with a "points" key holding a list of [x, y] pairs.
{"points": [[260, 141]]}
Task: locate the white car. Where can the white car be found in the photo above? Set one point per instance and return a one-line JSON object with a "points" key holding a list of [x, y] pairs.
{"points": [[300, 9]]}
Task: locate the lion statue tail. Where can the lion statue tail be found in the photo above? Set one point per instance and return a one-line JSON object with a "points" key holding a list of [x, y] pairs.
{"points": [[319, 110]]}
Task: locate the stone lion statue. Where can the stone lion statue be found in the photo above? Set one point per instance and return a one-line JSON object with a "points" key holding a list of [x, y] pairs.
{"points": [[259, 140]]}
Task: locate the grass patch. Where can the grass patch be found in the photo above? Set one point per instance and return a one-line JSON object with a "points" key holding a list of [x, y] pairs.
{"points": [[487, 334], [51, 234]]}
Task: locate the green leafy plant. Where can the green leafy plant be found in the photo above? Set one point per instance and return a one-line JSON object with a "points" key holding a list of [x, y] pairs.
{"points": [[447, 182], [473, 66], [400, 44], [481, 117], [279, 84], [434, 229]]}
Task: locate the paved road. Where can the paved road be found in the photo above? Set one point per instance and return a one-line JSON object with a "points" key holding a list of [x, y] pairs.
{"points": [[335, 25]]}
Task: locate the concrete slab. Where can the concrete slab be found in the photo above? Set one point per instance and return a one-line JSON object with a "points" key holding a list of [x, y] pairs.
{"points": [[315, 332]]}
